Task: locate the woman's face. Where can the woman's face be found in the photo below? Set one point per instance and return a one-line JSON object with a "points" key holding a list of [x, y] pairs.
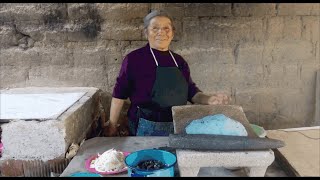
{"points": [[160, 33]]}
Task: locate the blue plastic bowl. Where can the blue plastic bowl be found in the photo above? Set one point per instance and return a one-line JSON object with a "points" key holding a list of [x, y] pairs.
{"points": [[165, 157], [84, 174]]}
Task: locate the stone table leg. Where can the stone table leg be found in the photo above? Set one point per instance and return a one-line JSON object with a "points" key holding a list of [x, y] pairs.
{"points": [[189, 171], [258, 171]]}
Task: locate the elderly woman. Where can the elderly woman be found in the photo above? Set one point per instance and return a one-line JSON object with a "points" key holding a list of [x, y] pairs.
{"points": [[155, 79]]}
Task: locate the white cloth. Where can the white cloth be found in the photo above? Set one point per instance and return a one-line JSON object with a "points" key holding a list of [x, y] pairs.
{"points": [[36, 106]]}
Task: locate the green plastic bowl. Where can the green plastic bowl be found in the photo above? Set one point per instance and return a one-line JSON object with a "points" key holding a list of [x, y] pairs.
{"points": [[259, 130]]}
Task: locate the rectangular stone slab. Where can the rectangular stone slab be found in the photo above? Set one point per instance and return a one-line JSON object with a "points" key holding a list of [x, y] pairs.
{"points": [[221, 142], [183, 115]]}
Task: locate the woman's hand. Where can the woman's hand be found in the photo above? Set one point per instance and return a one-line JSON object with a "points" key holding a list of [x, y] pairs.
{"points": [[111, 130], [219, 98]]}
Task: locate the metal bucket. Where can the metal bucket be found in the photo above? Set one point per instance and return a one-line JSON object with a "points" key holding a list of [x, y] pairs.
{"points": [[165, 157]]}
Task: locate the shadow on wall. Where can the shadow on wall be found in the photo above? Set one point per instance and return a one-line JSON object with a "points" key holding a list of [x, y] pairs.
{"points": [[88, 23]]}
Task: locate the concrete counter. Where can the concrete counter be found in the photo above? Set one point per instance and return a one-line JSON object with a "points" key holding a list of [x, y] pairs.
{"points": [[134, 143]]}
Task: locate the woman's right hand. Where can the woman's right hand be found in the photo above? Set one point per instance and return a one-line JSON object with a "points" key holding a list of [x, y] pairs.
{"points": [[111, 130]]}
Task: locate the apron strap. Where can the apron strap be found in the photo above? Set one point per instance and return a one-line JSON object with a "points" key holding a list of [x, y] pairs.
{"points": [[155, 60]]}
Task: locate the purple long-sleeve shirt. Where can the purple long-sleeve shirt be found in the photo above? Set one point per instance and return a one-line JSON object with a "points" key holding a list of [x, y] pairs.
{"points": [[138, 73]]}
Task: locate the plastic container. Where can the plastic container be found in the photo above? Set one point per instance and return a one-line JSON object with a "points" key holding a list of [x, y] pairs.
{"points": [[84, 174], [260, 131], [165, 157]]}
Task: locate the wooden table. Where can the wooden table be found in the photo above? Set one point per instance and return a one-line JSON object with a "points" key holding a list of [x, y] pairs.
{"points": [[301, 154]]}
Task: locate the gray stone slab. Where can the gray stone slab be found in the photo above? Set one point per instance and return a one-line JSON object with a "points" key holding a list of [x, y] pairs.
{"points": [[221, 142]]}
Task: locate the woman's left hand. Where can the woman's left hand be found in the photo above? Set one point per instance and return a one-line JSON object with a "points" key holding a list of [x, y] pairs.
{"points": [[218, 99]]}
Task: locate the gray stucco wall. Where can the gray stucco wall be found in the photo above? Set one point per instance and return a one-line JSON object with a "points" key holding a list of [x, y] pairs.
{"points": [[264, 55]]}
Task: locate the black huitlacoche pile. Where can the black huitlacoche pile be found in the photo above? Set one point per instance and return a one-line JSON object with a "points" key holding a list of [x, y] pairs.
{"points": [[150, 165]]}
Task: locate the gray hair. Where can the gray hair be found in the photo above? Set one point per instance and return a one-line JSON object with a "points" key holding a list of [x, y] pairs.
{"points": [[155, 13]]}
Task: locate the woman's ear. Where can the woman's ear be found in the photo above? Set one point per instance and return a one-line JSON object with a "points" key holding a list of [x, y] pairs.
{"points": [[145, 33]]}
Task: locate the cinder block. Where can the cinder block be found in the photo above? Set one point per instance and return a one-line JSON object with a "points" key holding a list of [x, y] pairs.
{"points": [[178, 30], [275, 26], [247, 76], [113, 56], [250, 53], [122, 30], [208, 55], [254, 9], [298, 9], [218, 77], [20, 35], [113, 72], [281, 76], [54, 37], [174, 10], [89, 57], [308, 74], [48, 13], [5, 16], [289, 51], [55, 57], [11, 75], [93, 75], [191, 26], [271, 73], [280, 109], [217, 56], [8, 37], [27, 12], [86, 31], [32, 28], [311, 28], [249, 102], [292, 28], [257, 30], [122, 11], [79, 11], [228, 32], [208, 9]]}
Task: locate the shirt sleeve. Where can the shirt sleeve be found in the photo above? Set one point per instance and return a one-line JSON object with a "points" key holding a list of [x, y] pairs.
{"points": [[121, 89], [192, 87]]}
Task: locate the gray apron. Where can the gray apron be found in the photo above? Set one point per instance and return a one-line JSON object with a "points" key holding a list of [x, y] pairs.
{"points": [[169, 89]]}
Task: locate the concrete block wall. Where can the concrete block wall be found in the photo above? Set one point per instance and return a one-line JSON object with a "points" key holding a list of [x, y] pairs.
{"points": [[265, 55]]}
